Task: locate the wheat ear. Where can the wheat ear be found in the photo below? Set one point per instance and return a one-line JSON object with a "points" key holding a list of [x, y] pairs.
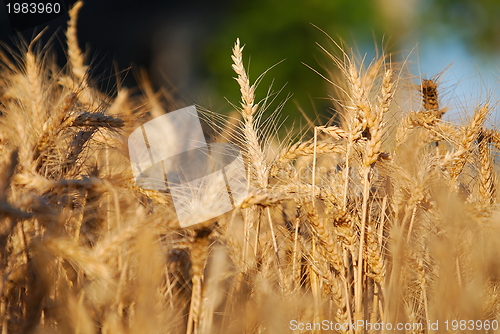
{"points": [[249, 108], [487, 175], [34, 75], [325, 236], [429, 90], [459, 157], [76, 58]]}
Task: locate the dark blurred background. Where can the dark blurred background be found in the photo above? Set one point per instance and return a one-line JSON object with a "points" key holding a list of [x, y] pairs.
{"points": [[187, 45]]}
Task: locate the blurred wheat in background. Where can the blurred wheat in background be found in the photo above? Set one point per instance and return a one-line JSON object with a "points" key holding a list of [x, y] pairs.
{"points": [[389, 215]]}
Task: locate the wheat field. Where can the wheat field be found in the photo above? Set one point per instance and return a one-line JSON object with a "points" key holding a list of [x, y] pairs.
{"points": [[383, 221]]}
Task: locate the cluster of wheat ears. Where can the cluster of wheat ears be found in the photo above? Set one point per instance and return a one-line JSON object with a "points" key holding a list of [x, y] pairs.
{"points": [[388, 215]]}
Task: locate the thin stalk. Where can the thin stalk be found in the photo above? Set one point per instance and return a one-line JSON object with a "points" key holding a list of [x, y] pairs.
{"points": [[359, 282]]}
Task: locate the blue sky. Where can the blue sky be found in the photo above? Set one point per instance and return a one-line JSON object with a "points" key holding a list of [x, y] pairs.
{"points": [[466, 80]]}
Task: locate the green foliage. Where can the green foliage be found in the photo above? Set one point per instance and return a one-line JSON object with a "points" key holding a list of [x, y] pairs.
{"points": [[475, 21]]}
